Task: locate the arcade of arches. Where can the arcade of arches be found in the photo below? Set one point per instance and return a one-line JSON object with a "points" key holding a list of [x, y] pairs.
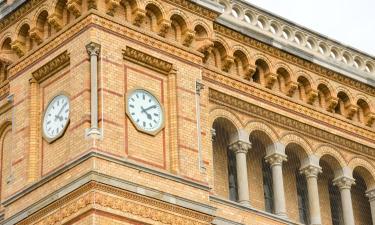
{"points": [[287, 177]]}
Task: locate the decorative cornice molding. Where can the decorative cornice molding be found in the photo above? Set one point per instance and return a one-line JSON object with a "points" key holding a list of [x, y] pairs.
{"points": [[52, 67], [147, 60], [104, 197], [294, 59], [4, 89], [272, 117], [196, 9], [246, 87]]}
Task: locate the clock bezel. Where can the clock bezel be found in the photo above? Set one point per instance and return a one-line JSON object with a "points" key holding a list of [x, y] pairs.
{"points": [[62, 132], [162, 125]]}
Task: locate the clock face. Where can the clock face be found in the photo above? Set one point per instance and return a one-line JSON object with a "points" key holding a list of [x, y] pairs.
{"points": [[56, 118], [145, 111]]}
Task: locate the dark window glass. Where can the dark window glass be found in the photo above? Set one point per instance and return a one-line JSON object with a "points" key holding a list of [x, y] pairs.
{"points": [[335, 201], [232, 176], [267, 187], [302, 195]]}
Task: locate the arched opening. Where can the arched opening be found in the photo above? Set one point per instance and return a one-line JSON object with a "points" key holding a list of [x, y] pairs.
{"points": [[304, 88], [153, 17], [178, 28], [43, 27], [6, 160], [201, 41], [295, 182], [6, 52], [361, 205], [329, 194], [343, 105], [363, 111], [259, 172], [240, 63], [225, 174], [262, 69], [324, 97], [283, 79]]}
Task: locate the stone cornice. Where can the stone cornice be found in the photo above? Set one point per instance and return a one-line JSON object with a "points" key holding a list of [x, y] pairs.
{"points": [[52, 67], [243, 86], [195, 8], [147, 60], [4, 89], [273, 117], [235, 35]]}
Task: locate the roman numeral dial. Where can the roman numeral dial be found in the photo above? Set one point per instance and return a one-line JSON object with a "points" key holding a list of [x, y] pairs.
{"points": [[56, 117], [145, 111]]}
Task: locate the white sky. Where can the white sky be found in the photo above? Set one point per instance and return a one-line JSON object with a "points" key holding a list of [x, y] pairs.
{"points": [[349, 22]]}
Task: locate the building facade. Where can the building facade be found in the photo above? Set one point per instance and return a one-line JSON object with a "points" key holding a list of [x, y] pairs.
{"points": [[180, 112]]}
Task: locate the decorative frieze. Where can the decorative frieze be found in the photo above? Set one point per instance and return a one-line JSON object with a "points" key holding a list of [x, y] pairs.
{"points": [[52, 67], [147, 60]]}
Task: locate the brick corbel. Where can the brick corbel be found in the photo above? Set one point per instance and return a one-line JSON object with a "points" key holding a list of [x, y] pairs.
{"points": [[204, 45], [19, 47], [369, 118], [163, 27], [55, 20], [111, 6], [351, 110], [249, 71], [291, 87], [138, 15], [36, 35], [331, 103], [188, 37], [311, 96], [74, 6], [227, 62], [270, 79]]}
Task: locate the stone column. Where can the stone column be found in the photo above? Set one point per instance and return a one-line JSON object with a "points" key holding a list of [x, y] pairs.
{"points": [[310, 168], [275, 157], [93, 49], [371, 196], [344, 183], [240, 148]]}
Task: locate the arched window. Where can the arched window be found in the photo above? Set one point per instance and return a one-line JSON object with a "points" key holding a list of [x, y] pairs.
{"points": [[335, 203], [267, 187], [303, 207]]}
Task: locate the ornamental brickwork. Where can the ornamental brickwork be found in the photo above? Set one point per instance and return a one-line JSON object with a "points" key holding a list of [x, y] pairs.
{"points": [[264, 122]]}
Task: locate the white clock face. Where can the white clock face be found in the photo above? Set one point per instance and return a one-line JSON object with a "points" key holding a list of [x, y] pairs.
{"points": [[56, 117], [145, 111]]}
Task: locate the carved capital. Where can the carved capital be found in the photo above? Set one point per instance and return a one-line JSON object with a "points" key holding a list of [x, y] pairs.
{"points": [[18, 47], [370, 194], [331, 103], [351, 110], [227, 63], [311, 171], [275, 159], [249, 71], [92, 4], [291, 87], [240, 147], [188, 37], [198, 87], [164, 26], [36, 35], [369, 118], [138, 15], [311, 96], [270, 79], [93, 49], [74, 6], [343, 182], [111, 6], [205, 45], [55, 20]]}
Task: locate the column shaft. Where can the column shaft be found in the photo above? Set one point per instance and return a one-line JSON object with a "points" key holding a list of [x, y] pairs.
{"points": [[278, 189], [372, 205], [243, 188], [94, 93], [347, 207], [314, 206]]}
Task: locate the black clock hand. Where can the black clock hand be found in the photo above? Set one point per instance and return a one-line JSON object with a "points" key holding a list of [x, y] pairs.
{"points": [[151, 107], [148, 114], [59, 114]]}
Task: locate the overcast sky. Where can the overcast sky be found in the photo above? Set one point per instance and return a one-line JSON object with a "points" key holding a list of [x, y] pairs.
{"points": [[347, 21]]}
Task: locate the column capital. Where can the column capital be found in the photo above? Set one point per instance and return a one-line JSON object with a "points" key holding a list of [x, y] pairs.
{"points": [[240, 146], [198, 87], [311, 171], [275, 159], [343, 182], [370, 194], [93, 49]]}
